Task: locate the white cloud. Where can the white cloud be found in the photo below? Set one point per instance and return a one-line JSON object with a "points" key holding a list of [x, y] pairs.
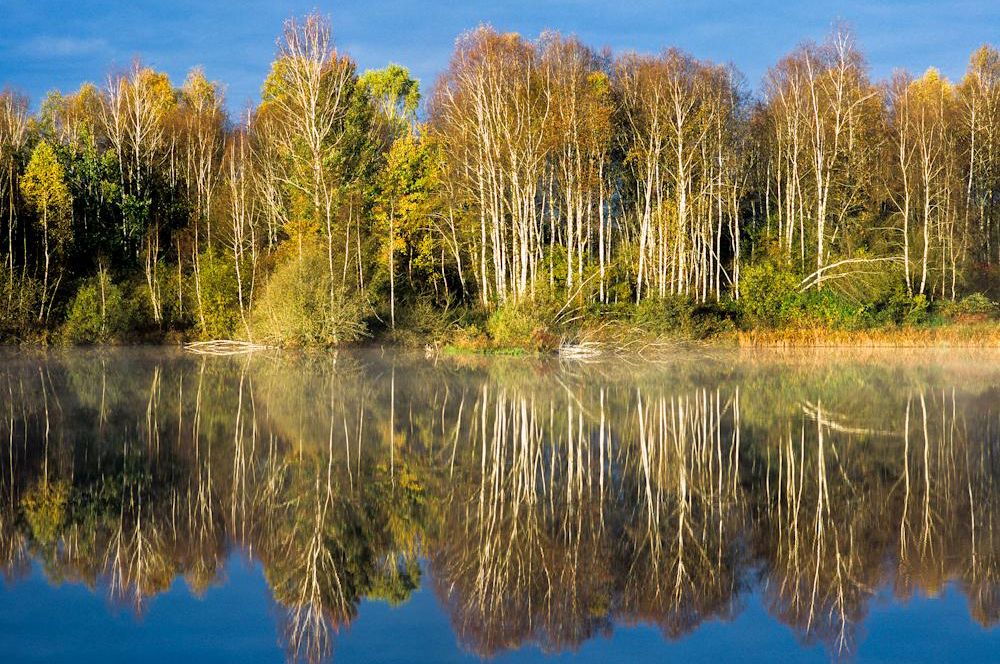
{"points": [[62, 47]]}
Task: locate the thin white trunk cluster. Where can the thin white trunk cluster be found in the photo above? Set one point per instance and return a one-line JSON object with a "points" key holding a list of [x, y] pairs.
{"points": [[494, 113], [821, 111], [13, 137], [926, 191], [979, 126], [306, 109], [528, 132], [681, 147]]}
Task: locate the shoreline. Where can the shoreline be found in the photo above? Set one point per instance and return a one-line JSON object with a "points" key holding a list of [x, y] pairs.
{"points": [[637, 341], [584, 343]]}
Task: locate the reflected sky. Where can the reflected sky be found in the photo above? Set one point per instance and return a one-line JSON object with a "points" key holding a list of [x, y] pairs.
{"points": [[235, 621], [371, 506]]}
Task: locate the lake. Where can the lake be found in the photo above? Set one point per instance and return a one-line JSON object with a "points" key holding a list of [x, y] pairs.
{"points": [[380, 506]]}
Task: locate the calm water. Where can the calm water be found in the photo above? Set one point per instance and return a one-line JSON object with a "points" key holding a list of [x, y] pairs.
{"points": [[370, 507]]}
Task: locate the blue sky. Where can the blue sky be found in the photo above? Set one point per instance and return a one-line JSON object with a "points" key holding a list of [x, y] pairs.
{"points": [[46, 44]]}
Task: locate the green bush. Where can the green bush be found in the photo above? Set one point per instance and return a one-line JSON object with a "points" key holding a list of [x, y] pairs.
{"points": [[175, 298], [298, 307], [918, 313], [666, 315], [525, 325], [769, 295], [890, 308], [770, 298], [678, 315], [100, 315], [19, 300], [217, 306], [976, 305], [830, 308], [421, 320]]}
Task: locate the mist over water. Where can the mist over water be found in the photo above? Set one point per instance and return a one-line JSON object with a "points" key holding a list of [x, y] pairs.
{"points": [[370, 506]]}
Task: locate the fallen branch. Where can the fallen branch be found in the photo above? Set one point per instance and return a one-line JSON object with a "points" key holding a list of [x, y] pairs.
{"points": [[584, 350], [223, 347], [817, 277]]}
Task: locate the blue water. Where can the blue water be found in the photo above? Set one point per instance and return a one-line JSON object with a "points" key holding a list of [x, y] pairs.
{"points": [[235, 621]]}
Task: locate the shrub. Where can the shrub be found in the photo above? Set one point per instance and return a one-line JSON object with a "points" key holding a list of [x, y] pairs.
{"points": [[422, 320], [217, 304], [918, 311], [975, 305], [713, 318], [19, 300], [298, 307], [175, 298], [682, 316], [100, 313], [671, 314], [830, 308], [890, 307], [769, 294], [469, 338], [526, 325], [770, 298]]}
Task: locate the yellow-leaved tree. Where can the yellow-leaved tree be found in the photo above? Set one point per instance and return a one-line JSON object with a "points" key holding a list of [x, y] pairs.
{"points": [[43, 186]]}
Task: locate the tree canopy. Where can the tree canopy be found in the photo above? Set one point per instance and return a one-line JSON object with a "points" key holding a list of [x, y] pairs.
{"points": [[537, 182]]}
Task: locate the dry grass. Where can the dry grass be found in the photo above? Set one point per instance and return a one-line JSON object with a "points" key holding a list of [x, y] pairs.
{"points": [[978, 335], [622, 338]]}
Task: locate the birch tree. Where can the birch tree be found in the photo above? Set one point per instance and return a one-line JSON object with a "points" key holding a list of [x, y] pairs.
{"points": [[44, 188]]}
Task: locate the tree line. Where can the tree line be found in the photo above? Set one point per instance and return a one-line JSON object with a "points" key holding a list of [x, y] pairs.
{"points": [[542, 175]]}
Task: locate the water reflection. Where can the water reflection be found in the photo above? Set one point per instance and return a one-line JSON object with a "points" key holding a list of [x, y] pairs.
{"points": [[550, 502]]}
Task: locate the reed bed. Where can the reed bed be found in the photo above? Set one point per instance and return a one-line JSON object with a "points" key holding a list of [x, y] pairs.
{"points": [[985, 335]]}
